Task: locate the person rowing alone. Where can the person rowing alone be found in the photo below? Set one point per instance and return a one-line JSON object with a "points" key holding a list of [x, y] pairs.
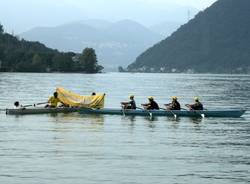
{"points": [[174, 105], [151, 105], [196, 106], [130, 104]]}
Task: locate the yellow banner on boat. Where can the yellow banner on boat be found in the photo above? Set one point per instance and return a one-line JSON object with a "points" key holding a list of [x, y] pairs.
{"points": [[75, 100]]}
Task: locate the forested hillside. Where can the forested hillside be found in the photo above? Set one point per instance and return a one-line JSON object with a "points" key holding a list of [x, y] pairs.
{"points": [[24, 56], [217, 40], [115, 43]]}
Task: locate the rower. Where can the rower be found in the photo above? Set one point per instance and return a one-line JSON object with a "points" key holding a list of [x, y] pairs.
{"points": [[130, 104], [53, 101], [152, 105], [174, 105], [196, 106]]}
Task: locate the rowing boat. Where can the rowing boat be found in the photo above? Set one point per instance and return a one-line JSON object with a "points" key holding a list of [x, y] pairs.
{"points": [[114, 111], [178, 113], [38, 110]]}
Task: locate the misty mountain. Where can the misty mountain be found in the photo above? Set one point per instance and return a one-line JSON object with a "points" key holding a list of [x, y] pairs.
{"points": [[217, 40], [115, 43], [27, 14], [95, 23]]}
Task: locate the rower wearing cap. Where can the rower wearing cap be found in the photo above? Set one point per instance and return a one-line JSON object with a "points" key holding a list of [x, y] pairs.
{"points": [[130, 104], [174, 105], [196, 106], [152, 105]]}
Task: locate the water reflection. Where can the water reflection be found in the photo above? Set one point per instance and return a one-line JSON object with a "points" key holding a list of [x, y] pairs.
{"points": [[196, 120], [72, 122], [129, 120], [151, 124], [173, 119], [77, 118], [72, 148]]}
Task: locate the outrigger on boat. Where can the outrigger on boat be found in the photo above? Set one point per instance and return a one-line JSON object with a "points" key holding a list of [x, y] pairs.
{"points": [[138, 112]]}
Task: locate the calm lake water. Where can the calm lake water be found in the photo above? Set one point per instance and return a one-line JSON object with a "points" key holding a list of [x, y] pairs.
{"points": [[74, 148]]}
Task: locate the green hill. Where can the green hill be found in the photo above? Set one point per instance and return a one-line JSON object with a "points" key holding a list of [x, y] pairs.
{"points": [[24, 56], [217, 40]]}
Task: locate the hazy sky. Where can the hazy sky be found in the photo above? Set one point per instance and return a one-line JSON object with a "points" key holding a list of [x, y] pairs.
{"points": [[21, 15], [199, 4]]}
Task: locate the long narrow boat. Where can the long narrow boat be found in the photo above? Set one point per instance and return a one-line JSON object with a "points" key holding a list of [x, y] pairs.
{"points": [[181, 113], [36, 110], [112, 111]]}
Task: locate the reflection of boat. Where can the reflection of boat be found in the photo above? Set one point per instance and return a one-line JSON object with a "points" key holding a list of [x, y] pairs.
{"points": [[113, 111]]}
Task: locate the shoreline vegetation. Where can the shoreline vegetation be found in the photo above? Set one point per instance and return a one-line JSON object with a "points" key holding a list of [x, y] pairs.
{"points": [[19, 55], [145, 69]]}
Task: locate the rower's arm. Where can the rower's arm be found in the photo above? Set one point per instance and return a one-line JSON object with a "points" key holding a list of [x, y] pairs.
{"points": [[124, 103], [49, 100], [190, 106], [167, 104]]}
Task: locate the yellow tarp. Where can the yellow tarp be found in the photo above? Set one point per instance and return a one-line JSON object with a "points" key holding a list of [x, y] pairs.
{"points": [[75, 100]]}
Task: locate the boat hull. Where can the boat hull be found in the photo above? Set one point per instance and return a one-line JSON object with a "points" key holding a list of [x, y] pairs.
{"points": [[182, 113], [113, 111], [24, 111]]}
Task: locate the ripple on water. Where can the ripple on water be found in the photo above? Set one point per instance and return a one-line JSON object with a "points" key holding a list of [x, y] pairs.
{"points": [[73, 148]]}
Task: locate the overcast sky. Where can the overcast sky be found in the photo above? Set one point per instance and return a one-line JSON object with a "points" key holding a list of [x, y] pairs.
{"points": [[21, 15]]}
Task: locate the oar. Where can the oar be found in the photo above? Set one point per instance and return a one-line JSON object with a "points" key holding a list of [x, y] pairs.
{"points": [[175, 116], [196, 94], [202, 115], [123, 111], [150, 113], [41, 103], [23, 106]]}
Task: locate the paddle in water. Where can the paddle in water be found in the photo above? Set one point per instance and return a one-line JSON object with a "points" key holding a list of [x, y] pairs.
{"points": [[123, 110], [197, 111], [175, 116], [150, 113], [202, 115]]}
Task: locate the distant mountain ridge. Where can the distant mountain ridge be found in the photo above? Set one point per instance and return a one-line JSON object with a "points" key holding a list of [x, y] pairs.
{"points": [[115, 43], [217, 40], [147, 12]]}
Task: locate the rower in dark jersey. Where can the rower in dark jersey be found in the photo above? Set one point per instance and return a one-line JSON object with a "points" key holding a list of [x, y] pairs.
{"points": [[196, 106], [130, 104], [174, 105], [151, 105]]}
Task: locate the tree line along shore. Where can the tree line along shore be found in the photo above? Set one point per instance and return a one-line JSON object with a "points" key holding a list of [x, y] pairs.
{"points": [[19, 55]]}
